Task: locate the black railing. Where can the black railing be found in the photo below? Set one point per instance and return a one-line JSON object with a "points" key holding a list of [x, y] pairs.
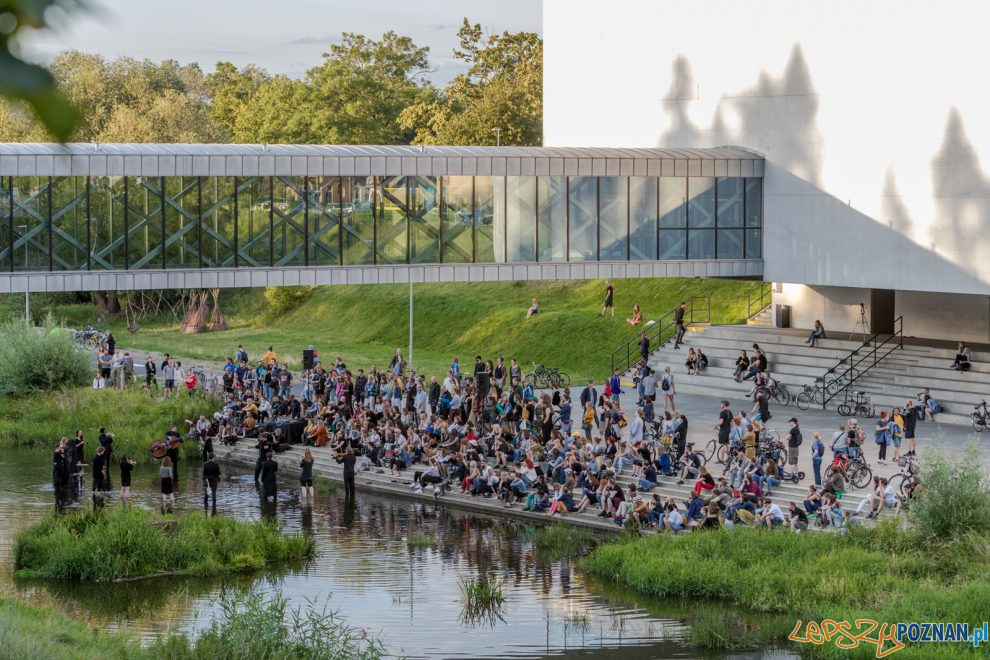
{"points": [[759, 298], [698, 310], [859, 362]]}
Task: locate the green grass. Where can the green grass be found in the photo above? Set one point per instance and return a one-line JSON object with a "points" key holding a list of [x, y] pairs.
{"points": [[563, 539], [884, 573], [421, 540], [364, 324], [136, 419], [101, 545], [483, 600]]}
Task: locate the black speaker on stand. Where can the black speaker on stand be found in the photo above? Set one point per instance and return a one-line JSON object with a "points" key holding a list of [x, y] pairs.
{"points": [[484, 384], [309, 358]]}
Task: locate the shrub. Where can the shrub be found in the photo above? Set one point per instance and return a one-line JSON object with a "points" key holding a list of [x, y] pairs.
{"points": [[954, 497], [40, 360], [280, 300]]}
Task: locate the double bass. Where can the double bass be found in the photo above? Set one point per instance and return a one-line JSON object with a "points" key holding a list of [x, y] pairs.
{"points": [[159, 448]]}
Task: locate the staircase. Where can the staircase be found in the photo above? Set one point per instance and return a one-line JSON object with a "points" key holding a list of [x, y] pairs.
{"points": [[758, 305], [898, 378]]}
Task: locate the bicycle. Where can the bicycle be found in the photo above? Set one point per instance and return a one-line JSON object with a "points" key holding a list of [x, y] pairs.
{"points": [[811, 395], [780, 394], [905, 480], [980, 417], [833, 384], [543, 377], [859, 405], [716, 450], [858, 473]]}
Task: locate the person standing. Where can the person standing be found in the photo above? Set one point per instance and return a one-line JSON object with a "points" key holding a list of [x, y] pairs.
{"points": [[269, 485], [817, 452], [882, 429], [615, 386], [896, 431], [306, 476], [609, 303], [794, 440], [644, 348], [667, 387], [167, 484], [99, 471], [348, 459], [106, 442], [211, 479], [174, 440], [78, 453], [910, 417], [150, 373], [679, 324], [126, 466], [763, 405]]}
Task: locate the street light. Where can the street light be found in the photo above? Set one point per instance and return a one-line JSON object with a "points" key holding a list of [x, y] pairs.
{"points": [[498, 136]]}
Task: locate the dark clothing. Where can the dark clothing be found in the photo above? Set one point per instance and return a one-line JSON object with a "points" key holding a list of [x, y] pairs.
{"points": [[679, 324], [644, 348], [269, 486], [726, 426], [125, 474], [764, 406], [211, 479], [348, 460], [588, 395], [306, 474], [99, 473], [609, 295], [910, 417], [794, 438]]}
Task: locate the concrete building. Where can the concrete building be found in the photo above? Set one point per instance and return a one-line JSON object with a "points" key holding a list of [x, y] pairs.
{"points": [[871, 117]]}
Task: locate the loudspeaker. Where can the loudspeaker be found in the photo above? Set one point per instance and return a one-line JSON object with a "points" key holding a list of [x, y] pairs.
{"points": [[484, 384], [309, 358]]}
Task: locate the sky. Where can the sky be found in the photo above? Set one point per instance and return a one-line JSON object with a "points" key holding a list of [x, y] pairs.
{"points": [[287, 37]]}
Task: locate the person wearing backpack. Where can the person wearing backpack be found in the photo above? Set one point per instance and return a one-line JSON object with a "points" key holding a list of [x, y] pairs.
{"points": [[794, 440], [882, 437], [667, 387]]}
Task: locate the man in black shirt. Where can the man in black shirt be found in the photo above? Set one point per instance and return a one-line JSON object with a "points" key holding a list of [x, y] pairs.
{"points": [[608, 304], [211, 478], [100, 471], [724, 425], [349, 460], [763, 405], [679, 324], [910, 417], [794, 441], [644, 348]]}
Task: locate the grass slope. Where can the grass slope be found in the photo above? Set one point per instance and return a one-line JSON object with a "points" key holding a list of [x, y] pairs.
{"points": [[102, 545], [775, 578], [365, 324], [135, 419]]}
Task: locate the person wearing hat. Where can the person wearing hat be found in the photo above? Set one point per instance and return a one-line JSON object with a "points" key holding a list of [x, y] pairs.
{"points": [[794, 440], [724, 425]]}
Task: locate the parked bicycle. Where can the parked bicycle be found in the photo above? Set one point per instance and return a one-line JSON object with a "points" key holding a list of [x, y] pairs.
{"points": [[981, 417], [543, 377], [858, 405], [812, 394], [858, 473], [90, 338], [839, 377], [904, 481]]}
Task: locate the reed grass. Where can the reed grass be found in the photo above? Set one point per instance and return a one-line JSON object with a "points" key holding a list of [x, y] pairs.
{"points": [[563, 539], [421, 540]]}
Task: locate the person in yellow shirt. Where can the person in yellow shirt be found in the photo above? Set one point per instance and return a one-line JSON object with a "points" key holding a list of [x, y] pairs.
{"points": [[270, 357], [897, 432]]}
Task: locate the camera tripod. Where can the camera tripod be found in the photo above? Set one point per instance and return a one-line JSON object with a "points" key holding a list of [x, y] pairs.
{"points": [[862, 326]]}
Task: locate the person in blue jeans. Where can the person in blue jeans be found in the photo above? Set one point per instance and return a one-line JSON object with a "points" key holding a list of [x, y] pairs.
{"points": [[649, 479], [770, 478], [817, 451]]}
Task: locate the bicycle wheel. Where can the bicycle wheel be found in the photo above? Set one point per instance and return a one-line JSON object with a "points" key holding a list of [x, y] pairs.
{"points": [[710, 449], [861, 477], [782, 456], [782, 396], [722, 454], [844, 409], [828, 474], [869, 409], [897, 483], [978, 422], [804, 400], [563, 380], [771, 436]]}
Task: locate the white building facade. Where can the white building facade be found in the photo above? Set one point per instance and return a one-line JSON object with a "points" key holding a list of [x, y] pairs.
{"points": [[871, 117]]}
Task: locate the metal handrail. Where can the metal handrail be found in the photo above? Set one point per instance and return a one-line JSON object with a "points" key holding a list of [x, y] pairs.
{"points": [[661, 331], [759, 297], [879, 350]]}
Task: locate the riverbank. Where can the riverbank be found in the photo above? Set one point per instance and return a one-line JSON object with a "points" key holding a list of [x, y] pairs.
{"points": [[103, 545], [884, 574], [136, 419]]}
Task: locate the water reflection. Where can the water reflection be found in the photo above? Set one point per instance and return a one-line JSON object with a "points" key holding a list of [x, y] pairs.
{"points": [[409, 596]]}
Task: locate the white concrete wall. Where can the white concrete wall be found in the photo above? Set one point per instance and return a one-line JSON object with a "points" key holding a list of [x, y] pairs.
{"points": [[872, 116], [929, 315]]}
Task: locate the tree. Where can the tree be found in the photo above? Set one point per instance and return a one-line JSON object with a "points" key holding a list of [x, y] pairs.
{"points": [[502, 89], [30, 83], [231, 89]]}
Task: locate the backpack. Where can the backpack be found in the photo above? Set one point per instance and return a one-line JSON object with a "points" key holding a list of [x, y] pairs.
{"points": [[800, 440], [860, 436], [665, 384]]}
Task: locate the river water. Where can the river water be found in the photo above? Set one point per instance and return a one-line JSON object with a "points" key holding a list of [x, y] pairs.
{"points": [[366, 570]]}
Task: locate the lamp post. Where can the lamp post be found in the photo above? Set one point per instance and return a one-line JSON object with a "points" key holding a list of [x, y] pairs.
{"points": [[410, 322], [498, 136]]}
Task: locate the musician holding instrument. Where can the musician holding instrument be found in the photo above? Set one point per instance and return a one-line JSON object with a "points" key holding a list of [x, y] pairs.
{"points": [[174, 439], [100, 471]]}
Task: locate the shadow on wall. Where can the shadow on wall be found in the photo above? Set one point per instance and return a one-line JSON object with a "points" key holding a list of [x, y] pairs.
{"points": [[962, 197]]}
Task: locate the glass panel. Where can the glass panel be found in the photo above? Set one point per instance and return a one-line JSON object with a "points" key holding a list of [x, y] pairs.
{"points": [[614, 222], [552, 214], [484, 219], [69, 230], [357, 218], [754, 202], [254, 223], [218, 221], [144, 222], [324, 220], [642, 217], [730, 244], [6, 236], [289, 220], [181, 222], [390, 216], [701, 244], [31, 223], [521, 219], [106, 224], [458, 219], [730, 203], [424, 220], [673, 244], [754, 244], [701, 201], [673, 202], [583, 218]]}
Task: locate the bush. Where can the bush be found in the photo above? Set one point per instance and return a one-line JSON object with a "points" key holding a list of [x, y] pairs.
{"points": [[280, 300], [40, 360], [954, 498], [100, 545]]}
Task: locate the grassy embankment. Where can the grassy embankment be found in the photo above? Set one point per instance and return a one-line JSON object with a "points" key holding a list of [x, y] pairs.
{"points": [[364, 324], [136, 419], [249, 626], [103, 545]]}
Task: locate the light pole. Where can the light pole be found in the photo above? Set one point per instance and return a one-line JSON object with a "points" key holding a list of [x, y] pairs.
{"points": [[410, 323], [498, 136]]}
